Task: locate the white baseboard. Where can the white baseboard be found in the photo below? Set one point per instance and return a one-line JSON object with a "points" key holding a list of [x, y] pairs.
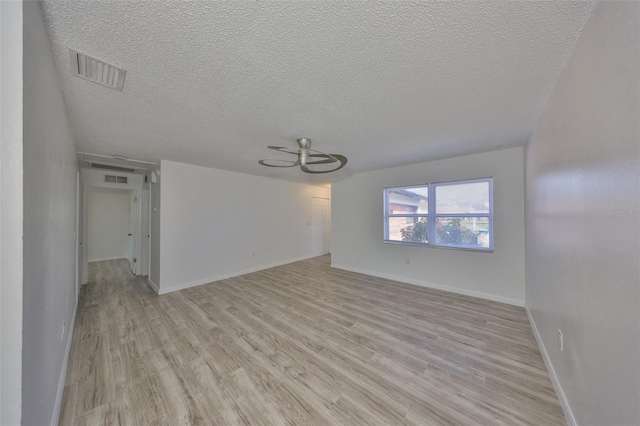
{"points": [[63, 373], [230, 275], [457, 290], [107, 258], [568, 414], [153, 286]]}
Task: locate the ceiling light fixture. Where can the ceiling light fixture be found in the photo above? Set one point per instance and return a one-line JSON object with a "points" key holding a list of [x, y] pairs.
{"points": [[305, 153]]}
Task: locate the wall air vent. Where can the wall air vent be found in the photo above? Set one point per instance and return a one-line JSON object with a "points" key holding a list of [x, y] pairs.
{"points": [[110, 167], [100, 72], [115, 179]]}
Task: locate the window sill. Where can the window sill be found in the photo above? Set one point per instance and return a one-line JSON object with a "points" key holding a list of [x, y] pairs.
{"points": [[402, 243]]}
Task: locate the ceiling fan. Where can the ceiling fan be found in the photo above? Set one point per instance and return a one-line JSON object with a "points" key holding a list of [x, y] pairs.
{"points": [[306, 157]]}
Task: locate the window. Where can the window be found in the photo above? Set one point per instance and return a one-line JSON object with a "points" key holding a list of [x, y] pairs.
{"points": [[450, 214]]}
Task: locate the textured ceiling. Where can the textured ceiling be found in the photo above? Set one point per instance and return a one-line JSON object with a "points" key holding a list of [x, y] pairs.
{"points": [[384, 83]]}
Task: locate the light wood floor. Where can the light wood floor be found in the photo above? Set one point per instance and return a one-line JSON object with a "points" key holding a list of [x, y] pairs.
{"points": [[300, 344]]}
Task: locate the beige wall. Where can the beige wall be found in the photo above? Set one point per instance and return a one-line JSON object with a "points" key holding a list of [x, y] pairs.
{"points": [[582, 226]]}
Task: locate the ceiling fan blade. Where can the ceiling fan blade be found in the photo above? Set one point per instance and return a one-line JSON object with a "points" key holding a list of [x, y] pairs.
{"points": [[283, 163], [341, 158], [294, 151], [327, 159]]}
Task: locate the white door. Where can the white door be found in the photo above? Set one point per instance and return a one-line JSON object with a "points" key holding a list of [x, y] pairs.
{"points": [[132, 240], [320, 225]]}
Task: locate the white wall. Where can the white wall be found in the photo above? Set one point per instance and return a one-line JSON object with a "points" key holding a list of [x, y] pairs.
{"points": [[357, 229], [11, 210], [213, 221], [109, 223], [50, 168], [583, 233]]}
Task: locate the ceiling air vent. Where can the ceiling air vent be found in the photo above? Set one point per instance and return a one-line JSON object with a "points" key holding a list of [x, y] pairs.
{"points": [[115, 179], [100, 72], [114, 168]]}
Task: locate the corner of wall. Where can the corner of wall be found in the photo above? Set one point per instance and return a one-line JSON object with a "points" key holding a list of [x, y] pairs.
{"points": [[153, 286]]}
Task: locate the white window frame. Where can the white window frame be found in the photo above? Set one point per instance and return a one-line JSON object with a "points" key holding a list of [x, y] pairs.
{"points": [[432, 216]]}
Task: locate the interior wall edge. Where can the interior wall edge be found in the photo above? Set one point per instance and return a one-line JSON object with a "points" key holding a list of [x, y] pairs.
{"points": [[155, 287]]}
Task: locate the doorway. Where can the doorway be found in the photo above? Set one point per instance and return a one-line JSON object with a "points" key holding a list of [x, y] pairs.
{"points": [[320, 226], [112, 225]]}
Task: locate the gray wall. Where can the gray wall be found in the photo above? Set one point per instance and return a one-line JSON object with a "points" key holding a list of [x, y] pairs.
{"points": [[582, 224], [49, 223], [11, 213]]}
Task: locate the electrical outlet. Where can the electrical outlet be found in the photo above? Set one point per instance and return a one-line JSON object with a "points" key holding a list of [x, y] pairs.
{"points": [[253, 254], [64, 329], [407, 261], [560, 340]]}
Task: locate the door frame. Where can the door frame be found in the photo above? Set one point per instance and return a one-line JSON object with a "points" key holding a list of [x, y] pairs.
{"points": [[77, 235], [145, 230], [85, 222], [135, 218]]}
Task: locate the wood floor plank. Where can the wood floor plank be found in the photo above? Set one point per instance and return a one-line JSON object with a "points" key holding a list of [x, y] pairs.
{"points": [[68, 408], [294, 408], [300, 344], [97, 387]]}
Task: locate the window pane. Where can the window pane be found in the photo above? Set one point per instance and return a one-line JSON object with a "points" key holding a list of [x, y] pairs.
{"points": [[472, 197], [410, 200], [408, 229], [472, 232]]}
